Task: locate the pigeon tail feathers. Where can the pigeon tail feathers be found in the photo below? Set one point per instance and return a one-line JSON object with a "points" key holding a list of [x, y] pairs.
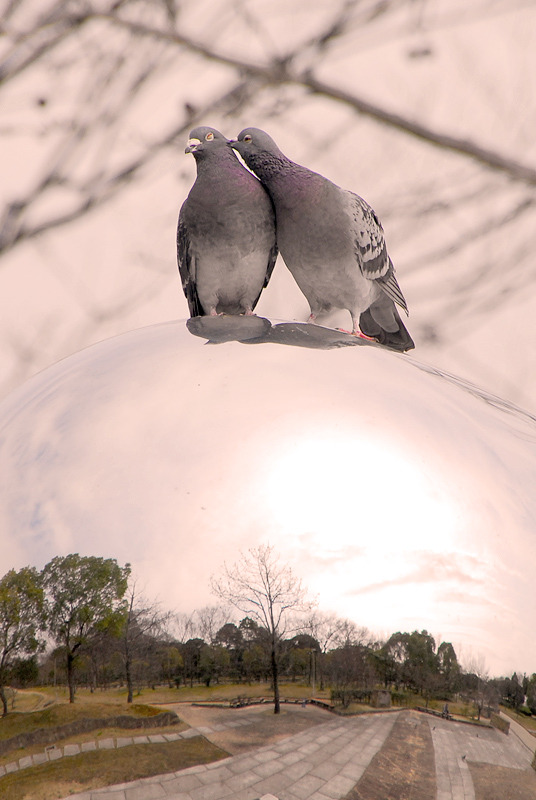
{"points": [[398, 339]]}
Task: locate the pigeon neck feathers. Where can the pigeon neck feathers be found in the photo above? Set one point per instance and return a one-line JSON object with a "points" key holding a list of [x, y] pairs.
{"points": [[286, 181]]}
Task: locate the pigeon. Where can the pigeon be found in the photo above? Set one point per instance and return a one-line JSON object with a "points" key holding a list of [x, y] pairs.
{"points": [[332, 242], [226, 242]]}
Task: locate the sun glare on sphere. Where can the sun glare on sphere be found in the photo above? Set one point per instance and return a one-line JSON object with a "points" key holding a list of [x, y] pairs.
{"points": [[360, 515], [324, 484]]}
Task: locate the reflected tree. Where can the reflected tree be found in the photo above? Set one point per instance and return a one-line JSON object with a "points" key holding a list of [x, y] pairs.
{"points": [[531, 693], [421, 663], [448, 666], [268, 591], [84, 596], [21, 620], [208, 620], [142, 622]]}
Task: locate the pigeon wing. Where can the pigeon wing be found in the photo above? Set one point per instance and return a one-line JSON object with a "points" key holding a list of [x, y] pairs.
{"points": [[186, 266], [272, 258], [371, 251]]}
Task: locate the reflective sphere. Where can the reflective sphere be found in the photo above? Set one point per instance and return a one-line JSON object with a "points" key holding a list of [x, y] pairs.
{"points": [[403, 496]]}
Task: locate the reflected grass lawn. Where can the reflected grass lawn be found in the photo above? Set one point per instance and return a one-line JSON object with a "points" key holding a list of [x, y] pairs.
{"points": [[101, 768]]}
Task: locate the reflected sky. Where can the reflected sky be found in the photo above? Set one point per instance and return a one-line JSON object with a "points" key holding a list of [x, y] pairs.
{"points": [[403, 497]]}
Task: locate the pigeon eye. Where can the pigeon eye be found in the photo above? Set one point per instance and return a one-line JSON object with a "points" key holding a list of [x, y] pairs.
{"points": [[210, 136], [247, 137]]}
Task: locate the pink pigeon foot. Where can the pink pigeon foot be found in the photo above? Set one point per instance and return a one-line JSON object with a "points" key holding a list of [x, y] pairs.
{"points": [[358, 333]]}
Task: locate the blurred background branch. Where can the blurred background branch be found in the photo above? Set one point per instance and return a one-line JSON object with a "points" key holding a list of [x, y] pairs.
{"points": [[98, 98]]}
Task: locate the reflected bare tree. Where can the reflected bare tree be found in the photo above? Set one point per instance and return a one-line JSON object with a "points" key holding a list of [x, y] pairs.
{"points": [[208, 621], [143, 621], [267, 590]]}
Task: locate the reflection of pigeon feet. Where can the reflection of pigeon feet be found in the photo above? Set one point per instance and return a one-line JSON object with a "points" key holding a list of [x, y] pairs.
{"points": [[229, 327]]}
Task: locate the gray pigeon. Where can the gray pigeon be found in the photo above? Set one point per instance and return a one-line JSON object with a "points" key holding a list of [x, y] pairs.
{"points": [[226, 244], [331, 241]]}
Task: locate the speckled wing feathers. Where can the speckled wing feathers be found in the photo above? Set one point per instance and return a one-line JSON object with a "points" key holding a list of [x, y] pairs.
{"points": [[371, 252]]}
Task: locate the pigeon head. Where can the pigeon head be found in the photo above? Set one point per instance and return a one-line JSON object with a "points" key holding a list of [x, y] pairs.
{"points": [[203, 140], [259, 151], [252, 144]]}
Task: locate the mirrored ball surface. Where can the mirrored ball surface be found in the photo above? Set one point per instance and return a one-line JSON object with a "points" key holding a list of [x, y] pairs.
{"points": [[403, 496]]}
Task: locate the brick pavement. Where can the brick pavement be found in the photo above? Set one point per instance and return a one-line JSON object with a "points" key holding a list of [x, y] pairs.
{"points": [[323, 762], [455, 744]]}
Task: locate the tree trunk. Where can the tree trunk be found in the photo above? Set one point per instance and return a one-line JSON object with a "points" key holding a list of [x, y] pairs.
{"points": [[275, 680], [70, 675], [3, 698], [130, 693]]}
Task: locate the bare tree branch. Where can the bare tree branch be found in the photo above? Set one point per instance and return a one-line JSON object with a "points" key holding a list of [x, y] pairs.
{"points": [[279, 72], [13, 231], [253, 76], [488, 158], [260, 586]]}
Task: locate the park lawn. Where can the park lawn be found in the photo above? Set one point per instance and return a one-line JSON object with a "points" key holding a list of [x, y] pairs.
{"points": [[163, 695], [23, 700], [112, 702], [62, 713], [100, 768], [225, 692], [465, 711], [95, 735]]}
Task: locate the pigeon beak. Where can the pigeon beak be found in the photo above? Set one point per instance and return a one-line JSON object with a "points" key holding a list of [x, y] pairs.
{"points": [[192, 145]]}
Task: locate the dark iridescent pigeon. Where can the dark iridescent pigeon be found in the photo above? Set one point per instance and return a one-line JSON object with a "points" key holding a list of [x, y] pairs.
{"points": [[226, 246], [331, 241]]}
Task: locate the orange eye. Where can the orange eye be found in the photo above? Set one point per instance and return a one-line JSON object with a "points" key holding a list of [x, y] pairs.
{"points": [[247, 137], [209, 136]]}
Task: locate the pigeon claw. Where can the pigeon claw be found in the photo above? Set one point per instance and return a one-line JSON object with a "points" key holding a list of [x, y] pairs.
{"points": [[358, 333]]}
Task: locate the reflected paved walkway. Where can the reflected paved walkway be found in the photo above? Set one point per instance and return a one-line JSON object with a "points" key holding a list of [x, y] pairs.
{"points": [[518, 730], [322, 763], [455, 744]]}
